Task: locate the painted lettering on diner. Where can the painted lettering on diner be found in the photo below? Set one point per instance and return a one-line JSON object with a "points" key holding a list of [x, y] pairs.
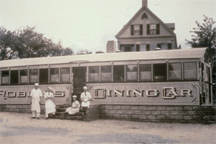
{"points": [[23, 94], [167, 93]]}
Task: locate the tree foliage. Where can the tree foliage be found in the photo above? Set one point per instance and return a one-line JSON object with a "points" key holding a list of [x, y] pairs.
{"points": [[83, 51], [26, 43], [204, 35]]}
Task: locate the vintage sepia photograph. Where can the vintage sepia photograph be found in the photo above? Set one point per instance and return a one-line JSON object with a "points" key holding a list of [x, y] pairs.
{"points": [[107, 71]]}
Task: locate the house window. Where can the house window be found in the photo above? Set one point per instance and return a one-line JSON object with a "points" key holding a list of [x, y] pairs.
{"points": [[127, 47], [137, 47], [137, 29], [159, 45], [144, 47], [169, 46], [147, 47], [144, 16], [153, 29]]}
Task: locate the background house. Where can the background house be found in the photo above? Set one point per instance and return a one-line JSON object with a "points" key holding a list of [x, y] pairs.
{"points": [[145, 32]]}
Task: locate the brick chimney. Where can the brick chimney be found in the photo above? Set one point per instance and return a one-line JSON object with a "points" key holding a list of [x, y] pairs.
{"points": [[145, 3], [111, 46]]}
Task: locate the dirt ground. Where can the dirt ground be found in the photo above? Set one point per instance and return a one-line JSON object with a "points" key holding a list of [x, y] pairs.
{"points": [[20, 128]]}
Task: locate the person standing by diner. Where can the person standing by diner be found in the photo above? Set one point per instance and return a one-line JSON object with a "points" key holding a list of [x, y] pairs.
{"points": [[36, 93], [50, 107], [85, 98]]}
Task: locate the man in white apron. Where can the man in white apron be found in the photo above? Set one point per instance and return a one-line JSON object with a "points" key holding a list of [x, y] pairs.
{"points": [[36, 93], [85, 98]]}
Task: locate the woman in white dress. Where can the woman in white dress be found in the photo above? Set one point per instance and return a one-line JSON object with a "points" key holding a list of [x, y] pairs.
{"points": [[74, 108], [49, 105]]}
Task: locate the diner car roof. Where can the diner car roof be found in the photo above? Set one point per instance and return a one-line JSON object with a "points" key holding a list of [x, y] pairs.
{"points": [[120, 56]]}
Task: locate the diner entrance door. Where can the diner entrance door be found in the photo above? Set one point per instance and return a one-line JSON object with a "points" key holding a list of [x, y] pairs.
{"points": [[79, 80]]}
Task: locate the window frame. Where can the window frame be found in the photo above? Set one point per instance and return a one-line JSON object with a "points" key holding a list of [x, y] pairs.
{"points": [[49, 74], [111, 80], [98, 73], [156, 30], [114, 80], [20, 76], [142, 71], [153, 72], [70, 73], [8, 77], [144, 16], [37, 75], [181, 73], [136, 32], [126, 68], [191, 79], [169, 46]]}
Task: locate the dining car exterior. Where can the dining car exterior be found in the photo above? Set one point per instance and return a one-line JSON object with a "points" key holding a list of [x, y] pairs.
{"points": [[180, 77]]}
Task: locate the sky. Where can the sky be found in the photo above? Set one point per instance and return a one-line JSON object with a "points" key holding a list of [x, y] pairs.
{"points": [[89, 24]]}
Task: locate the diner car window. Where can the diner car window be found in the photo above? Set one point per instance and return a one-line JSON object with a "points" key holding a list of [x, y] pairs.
{"points": [[54, 75], [33, 75], [145, 72], [43, 79], [190, 71], [131, 72], [175, 71], [207, 77], [106, 73], [159, 72], [118, 73], [23, 76], [93, 73], [201, 71], [65, 75], [5, 77], [14, 77]]}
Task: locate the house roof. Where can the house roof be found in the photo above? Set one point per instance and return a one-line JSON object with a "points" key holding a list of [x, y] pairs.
{"points": [[140, 10], [108, 57]]}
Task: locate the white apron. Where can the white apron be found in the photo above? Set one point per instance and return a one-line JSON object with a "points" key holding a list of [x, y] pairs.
{"points": [[35, 94], [85, 96], [49, 105], [74, 109]]}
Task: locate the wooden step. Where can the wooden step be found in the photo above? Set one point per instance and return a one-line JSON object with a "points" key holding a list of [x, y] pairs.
{"points": [[65, 106], [61, 110], [91, 114]]}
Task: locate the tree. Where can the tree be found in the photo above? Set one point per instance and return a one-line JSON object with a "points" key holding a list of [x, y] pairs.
{"points": [[83, 51], [26, 42], [7, 39], [204, 34]]}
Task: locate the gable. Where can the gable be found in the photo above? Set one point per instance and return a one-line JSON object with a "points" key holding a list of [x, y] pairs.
{"points": [[140, 19]]}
